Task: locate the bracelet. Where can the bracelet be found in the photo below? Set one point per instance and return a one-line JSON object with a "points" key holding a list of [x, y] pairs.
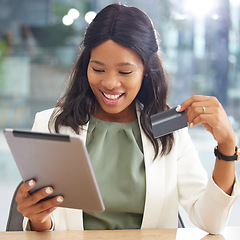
{"points": [[235, 157]]}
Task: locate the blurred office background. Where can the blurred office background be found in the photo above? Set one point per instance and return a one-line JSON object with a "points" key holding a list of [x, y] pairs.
{"points": [[39, 42]]}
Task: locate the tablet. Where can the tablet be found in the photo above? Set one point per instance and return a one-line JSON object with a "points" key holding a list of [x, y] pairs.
{"points": [[57, 160]]}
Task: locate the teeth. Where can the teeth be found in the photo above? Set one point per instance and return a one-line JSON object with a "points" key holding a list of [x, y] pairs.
{"points": [[112, 97]]}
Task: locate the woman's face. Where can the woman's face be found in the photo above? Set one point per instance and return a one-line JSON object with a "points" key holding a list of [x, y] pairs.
{"points": [[115, 75]]}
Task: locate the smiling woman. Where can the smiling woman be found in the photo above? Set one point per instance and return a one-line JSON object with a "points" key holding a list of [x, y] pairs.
{"points": [[136, 54], [117, 83]]}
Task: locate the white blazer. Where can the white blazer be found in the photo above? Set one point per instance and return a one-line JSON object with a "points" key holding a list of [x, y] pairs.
{"points": [[178, 177]]}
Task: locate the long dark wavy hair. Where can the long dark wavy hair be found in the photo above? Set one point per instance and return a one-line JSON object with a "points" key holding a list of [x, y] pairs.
{"points": [[133, 29]]}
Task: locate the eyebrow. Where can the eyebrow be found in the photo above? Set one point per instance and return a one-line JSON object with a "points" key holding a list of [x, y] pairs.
{"points": [[119, 64]]}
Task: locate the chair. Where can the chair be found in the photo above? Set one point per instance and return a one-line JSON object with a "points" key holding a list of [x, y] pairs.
{"points": [[15, 218], [180, 221]]}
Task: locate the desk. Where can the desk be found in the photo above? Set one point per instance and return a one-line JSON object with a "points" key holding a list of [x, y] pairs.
{"points": [[231, 233]]}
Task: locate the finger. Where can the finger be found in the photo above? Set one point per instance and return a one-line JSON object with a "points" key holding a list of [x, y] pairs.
{"points": [[43, 208], [46, 205], [41, 217], [24, 189], [194, 112], [200, 119], [32, 199], [194, 99], [207, 108], [210, 119], [201, 104], [38, 196]]}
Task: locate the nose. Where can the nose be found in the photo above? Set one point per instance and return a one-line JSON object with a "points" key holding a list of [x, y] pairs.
{"points": [[110, 82]]}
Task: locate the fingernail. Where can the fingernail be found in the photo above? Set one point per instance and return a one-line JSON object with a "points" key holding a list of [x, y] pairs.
{"points": [[48, 190], [31, 183], [59, 199], [191, 125], [178, 108]]}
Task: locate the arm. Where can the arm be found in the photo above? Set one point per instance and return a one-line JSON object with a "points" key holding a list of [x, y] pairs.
{"points": [[210, 113], [207, 205]]}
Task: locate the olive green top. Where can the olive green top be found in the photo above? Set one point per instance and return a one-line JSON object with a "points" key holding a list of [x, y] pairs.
{"points": [[116, 154]]}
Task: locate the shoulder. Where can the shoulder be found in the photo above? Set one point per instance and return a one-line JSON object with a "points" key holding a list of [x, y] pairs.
{"points": [[42, 119], [45, 114]]}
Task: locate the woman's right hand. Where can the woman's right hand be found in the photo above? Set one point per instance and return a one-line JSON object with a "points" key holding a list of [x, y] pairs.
{"points": [[39, 213]]}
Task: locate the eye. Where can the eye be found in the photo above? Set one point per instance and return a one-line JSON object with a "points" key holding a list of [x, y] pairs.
{"points": [[97, 70], [125, 73]]}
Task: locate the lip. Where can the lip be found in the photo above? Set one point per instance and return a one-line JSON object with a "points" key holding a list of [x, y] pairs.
{"points": [[111, 101]]}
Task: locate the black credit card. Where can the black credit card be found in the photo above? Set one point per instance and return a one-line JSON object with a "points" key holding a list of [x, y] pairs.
{"points": [[167, 122]]}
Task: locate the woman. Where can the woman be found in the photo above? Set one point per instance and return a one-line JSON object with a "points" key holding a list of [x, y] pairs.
{"points": [[117, 83]]}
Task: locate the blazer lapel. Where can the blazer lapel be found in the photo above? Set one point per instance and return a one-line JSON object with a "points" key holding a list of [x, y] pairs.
{"points": [[154, 170]]}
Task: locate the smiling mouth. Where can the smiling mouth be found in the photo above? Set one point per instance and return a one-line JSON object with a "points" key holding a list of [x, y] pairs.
{"points": [[112, 97]]}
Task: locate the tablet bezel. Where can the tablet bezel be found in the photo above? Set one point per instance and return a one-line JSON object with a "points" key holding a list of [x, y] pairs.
{"points": [[60, 161]]}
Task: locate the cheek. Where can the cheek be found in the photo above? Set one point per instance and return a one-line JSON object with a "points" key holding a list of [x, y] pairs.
{"points": [[136, 83]]}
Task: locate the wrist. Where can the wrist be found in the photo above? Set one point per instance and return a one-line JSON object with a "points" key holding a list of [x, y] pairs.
{"points": [[228, 148], [41, 226], [229, 158]]}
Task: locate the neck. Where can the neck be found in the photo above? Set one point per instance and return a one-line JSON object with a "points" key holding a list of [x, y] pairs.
{"points": [[127, 115]]}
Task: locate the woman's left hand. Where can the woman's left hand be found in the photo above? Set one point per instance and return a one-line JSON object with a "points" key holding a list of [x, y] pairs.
{"points": [[209, 112]]}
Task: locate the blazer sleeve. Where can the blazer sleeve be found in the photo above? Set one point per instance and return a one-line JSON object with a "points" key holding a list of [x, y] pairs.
{"points": [[207, 205]]}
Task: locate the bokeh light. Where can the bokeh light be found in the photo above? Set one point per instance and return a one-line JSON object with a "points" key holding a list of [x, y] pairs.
{"points": [[89, 16], [67, 21], [200, 8], [73, 13]]}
